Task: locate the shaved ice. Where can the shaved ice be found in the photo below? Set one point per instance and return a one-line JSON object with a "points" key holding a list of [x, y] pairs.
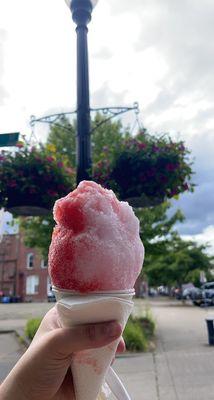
{"points": [[96, 244]]}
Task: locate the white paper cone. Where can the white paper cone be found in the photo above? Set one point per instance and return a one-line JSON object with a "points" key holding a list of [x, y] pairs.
{"points": [[90, 367]]}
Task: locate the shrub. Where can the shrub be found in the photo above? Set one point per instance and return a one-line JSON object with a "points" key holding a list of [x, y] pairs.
{"points": [[147, 323], [134, 336], [32, 327]]}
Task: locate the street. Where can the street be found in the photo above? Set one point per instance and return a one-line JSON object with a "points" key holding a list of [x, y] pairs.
{"points": [[181, 367]]}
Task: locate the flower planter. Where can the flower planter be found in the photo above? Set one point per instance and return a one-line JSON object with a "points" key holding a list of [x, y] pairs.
{"points": [[147, 171], [31, 180]]}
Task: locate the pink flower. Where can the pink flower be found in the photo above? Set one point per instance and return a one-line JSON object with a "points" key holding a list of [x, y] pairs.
{"points": [[155, 149], [174, 192], [32, 190], [50, 159], [51, 192], [163, 179], [171, 167], [62, 187], [60, 164], [185, 186], [142, 146], [12, 184], [19, 145], [69, 170]]}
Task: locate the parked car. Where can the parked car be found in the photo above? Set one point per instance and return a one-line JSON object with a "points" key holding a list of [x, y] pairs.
{"points": [[50, 296], [186, 291], [205, 296], [191, 293]]}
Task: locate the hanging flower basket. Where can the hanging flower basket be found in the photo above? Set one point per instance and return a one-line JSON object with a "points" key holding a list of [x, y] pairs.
{"points": [[147, 171], [31, 179]]}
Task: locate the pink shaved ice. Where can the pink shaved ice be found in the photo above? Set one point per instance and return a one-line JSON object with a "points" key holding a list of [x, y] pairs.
{"points": [[96, 244]]}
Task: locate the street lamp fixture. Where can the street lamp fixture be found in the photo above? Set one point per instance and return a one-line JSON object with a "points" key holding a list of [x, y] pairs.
{"points": [[81, 13]]}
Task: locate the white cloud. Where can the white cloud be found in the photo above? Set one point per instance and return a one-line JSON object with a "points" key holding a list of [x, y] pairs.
{"points": [[204, 238]]}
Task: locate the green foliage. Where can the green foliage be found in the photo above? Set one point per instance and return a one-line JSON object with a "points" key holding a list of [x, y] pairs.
{"points": [[147, 323], [181, 263], [134, 337], [62, 136], [32, 327], [37, 232], [139, 331], [107, 138]]}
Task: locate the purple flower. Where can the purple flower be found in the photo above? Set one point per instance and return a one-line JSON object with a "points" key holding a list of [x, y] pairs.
{"points": [[155, 149], [60, 164], [181, 147]]}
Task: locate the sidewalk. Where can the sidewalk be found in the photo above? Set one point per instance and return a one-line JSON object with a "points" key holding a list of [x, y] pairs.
{"points": [[10, 352], [182, 366]]}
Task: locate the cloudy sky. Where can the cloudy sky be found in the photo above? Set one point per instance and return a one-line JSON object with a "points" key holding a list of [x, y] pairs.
{"points": [[157, 52]]}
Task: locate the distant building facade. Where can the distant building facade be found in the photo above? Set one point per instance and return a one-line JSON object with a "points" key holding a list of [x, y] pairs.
{"points": [[23, 272]]}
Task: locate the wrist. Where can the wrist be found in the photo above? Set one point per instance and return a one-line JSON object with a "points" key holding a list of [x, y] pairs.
{"points": [[11, 389]]}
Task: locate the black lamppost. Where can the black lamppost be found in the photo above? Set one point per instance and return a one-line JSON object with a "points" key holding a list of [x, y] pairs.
{"points": [[81, 13]]}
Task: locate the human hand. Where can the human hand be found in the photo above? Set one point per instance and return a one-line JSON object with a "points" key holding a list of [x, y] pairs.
{"points": [[43, 372]]}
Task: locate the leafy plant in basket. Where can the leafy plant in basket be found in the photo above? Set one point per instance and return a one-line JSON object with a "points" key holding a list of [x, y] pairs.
{"points": [[148, 168], [33, 177]]}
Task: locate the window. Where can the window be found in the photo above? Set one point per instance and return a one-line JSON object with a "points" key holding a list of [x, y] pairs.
{"points": [[44, 263], [49, 292], [32, 284], [30, 260]]}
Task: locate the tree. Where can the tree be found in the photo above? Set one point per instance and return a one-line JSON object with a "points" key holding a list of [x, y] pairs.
{"points": [[182, 262], [62, 136], [105, 137], [37, 232]]}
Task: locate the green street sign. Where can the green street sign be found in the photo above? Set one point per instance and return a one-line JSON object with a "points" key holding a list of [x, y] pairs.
{"points": [[9, 139]]}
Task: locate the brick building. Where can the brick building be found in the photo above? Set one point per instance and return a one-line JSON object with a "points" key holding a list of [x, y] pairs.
{"points": [[23, 272]]}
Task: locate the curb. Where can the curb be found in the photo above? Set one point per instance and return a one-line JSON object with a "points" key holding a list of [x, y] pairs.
{"points": [[19, 333]]}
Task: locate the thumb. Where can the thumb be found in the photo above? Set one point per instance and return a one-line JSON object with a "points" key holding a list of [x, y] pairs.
{"points": [[65, 341]]}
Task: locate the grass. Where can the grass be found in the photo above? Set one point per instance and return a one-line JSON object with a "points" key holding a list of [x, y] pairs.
{"points": [[31, 327], [139, 332]]}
